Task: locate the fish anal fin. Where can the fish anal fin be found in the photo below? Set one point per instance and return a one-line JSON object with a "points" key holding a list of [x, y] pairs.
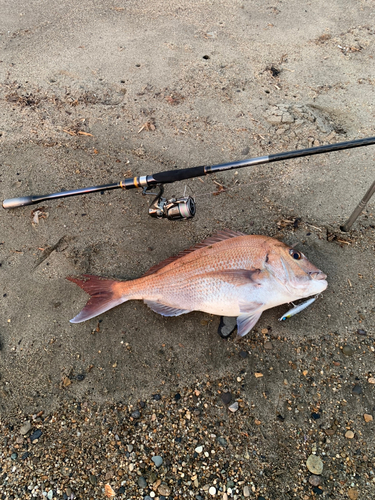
{"points": [[165, 310], [226, 234], [245, 323]]}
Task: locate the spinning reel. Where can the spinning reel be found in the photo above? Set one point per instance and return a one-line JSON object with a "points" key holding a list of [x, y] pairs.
{"points": [[172, 209]]}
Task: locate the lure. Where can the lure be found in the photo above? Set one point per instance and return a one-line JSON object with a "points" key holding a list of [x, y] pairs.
{"points": [[297, 309]]}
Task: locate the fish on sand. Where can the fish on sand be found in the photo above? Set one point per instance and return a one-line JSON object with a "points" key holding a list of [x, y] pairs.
{"points": [[228, 274]]}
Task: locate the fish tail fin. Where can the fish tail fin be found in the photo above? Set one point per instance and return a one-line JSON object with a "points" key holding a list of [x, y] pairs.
{"points": [[104, 294]]}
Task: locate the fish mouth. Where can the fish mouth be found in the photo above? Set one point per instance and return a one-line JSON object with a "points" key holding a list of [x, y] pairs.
{"points": [[317, 275]]}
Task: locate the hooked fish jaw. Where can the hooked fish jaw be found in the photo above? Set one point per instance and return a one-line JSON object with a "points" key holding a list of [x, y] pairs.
{"points": [[316, 284]]}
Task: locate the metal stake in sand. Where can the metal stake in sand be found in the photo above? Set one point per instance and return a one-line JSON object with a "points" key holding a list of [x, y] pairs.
{"points": [[361, 205]]}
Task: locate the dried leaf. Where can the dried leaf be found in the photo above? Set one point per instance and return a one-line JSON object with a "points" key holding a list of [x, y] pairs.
{"points": [[65, 382], [219, 188], [39, 213]]}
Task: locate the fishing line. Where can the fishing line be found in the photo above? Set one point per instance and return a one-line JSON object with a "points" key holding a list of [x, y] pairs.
{"points": [[237, 185]]}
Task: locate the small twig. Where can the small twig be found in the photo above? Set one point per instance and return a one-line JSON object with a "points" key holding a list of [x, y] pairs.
{"points": [[218, 183], [317, 228], [80, 132]]}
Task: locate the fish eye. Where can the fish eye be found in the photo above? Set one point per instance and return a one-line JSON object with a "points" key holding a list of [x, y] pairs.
{"points": [[295, 254]]}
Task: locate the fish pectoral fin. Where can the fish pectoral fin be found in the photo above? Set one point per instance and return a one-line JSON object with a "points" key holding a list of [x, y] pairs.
{"points": [[245, 322], [237, 277], [165, 310]]}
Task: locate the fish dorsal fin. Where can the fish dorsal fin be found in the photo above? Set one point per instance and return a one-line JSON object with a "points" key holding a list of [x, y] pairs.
{"points": [[226, 234]]}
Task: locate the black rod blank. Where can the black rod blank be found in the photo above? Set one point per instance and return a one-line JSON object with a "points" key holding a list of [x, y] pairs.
{"points": [[189, 173]]}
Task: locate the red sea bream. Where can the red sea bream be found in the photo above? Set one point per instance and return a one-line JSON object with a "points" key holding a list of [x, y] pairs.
{"points": [[228, 274]]}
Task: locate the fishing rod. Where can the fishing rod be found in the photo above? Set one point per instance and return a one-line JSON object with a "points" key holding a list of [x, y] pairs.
{"points": [[184, 207]]}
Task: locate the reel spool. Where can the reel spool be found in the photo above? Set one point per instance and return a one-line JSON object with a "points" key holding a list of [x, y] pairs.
{"points": [[172, 209]]}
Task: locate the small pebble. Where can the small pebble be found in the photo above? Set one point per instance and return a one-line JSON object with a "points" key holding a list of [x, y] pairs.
{"points": [[157, 460], [371, 380], [212, 491], [357, 389], [14, 456], [25, 427], [156, 397], [361, 332], [50, 495], [268, 345], [35, 435], [227, 326], [222, 442], [367, 417], [315, 464], [317, 490], [349, 434], [246, 491], [164, 490], [199, 449], [142, 483], [233, 407], [93, 479], [315, 480], [226, 397], [347, 350]]}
